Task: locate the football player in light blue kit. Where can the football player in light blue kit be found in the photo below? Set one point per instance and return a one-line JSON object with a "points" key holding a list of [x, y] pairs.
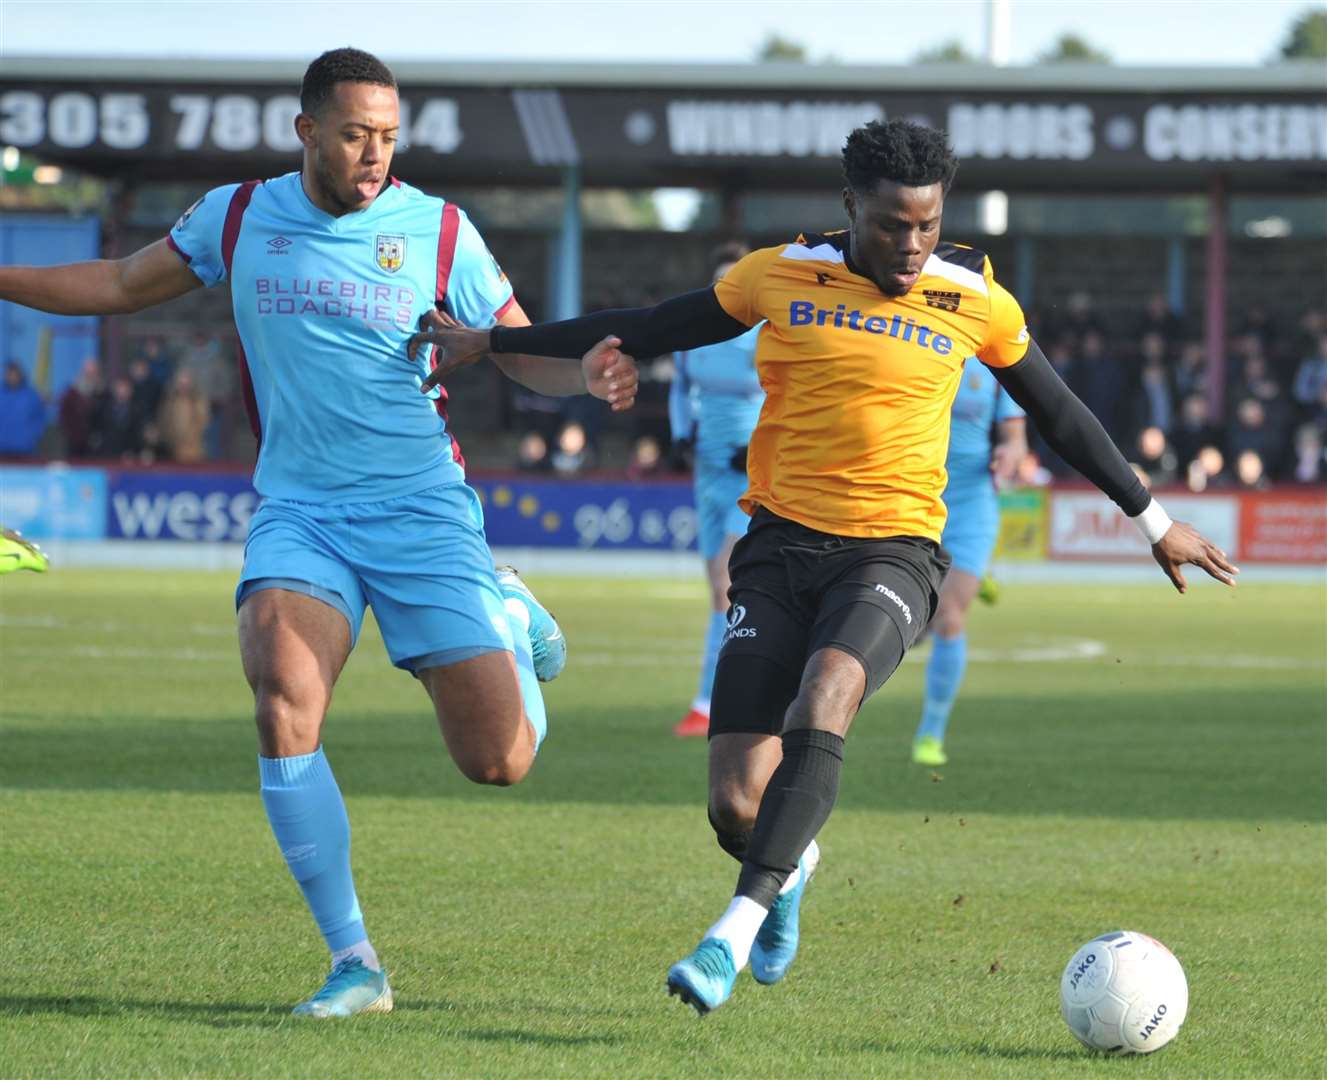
{"points": [[987, 440], [713, 405], [364, 500]]}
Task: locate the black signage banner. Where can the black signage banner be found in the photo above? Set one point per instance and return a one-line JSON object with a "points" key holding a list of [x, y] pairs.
{"points": [[1267, 140]]}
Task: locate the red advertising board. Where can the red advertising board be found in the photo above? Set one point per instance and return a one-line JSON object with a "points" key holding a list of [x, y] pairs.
{"points": [[1283, 527]]}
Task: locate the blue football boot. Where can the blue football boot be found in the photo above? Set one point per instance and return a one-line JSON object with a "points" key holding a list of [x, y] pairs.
{"points": [[350, 988], [705, 978], [775, 946], [547, 645]]}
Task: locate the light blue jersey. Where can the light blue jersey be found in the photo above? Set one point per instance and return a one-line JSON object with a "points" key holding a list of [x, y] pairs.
{"points": [[715, 399], [324, 307], [974, 509], [981, 402]]}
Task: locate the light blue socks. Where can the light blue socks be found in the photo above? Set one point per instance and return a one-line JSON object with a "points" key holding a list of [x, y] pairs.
{"points": [[944, 675], [308, 817], [532, 698], [713, 639]]}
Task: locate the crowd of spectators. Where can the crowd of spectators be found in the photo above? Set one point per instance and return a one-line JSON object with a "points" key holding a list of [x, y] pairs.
{"points": [[1147, 381], [165, 406], [1149, 387]]}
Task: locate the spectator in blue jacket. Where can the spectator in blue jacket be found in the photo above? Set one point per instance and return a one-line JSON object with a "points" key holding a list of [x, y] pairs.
{"points": [[22, 414]]}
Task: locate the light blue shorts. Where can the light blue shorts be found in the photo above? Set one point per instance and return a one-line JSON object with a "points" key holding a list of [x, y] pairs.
{"points": [[718, 515], [420, 561], [974, 523]]}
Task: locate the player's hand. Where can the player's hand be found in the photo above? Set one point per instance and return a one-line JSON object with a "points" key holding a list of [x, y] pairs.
{"points": [[1184, 544], [1005, 459], [610, 374], [454, 346]]}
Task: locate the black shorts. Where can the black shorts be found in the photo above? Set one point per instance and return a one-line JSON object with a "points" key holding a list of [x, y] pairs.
{"points": [[795, 591]]}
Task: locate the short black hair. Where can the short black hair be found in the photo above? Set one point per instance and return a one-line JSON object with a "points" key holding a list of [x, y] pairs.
{"points": [[899, 151], [338, 66]]}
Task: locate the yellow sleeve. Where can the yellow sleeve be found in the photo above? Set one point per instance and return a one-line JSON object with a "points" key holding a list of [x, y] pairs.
{"points": [[1006, 328], [739, 290]]}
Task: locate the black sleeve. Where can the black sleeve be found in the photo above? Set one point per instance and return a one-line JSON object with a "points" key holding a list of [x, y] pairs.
{"points": [[684, 322], [1071, 430]]}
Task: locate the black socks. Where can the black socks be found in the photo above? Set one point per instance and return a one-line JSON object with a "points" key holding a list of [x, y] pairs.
{"points": [[796, 804]]}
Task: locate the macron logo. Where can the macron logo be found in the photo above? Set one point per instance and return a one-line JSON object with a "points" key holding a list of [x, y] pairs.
{"points": [[907, 611]]}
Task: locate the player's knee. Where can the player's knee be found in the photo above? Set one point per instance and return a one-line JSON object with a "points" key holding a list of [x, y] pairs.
{"points": [[824, 711], [733, 832], [495, 764], [948, 622], [733, 809], [495, 770], [288, 721]]}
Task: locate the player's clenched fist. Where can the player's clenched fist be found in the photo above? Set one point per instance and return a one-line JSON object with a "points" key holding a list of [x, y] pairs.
{"points": [[610, 374]]}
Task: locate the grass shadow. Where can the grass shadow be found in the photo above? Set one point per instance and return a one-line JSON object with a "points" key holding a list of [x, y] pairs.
{"points": [[210, 1013], [1082, 756]]}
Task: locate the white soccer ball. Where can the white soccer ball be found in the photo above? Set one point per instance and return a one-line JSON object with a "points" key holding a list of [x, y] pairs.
{"points": [[1124, 993]]}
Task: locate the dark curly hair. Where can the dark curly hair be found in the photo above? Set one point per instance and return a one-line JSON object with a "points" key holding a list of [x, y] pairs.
{"points": [[898, 151], [338, 66]]}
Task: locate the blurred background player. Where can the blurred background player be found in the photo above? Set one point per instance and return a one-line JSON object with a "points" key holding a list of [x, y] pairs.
{"points": [[713, 406], [987, 441], [364, 499]]}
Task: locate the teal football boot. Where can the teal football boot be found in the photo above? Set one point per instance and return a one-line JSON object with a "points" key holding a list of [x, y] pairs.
{"points": [[351, 988], [775, 947], [705, 978], [548, 646]]}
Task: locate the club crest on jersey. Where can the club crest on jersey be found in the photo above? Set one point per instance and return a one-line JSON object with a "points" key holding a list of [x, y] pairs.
{"points": [[391, 252], [946, 301]]}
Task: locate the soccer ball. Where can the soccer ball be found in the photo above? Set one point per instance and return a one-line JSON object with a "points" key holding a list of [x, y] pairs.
{"points": [[1124, 993]]}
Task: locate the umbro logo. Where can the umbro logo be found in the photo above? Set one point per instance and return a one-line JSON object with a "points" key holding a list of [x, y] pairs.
{"points": [[945, 301], [822, 278], [299, 852], [277, 245]]}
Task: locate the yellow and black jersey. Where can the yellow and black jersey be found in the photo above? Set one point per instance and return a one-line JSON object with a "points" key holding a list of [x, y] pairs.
{"points": [[858, 385]]}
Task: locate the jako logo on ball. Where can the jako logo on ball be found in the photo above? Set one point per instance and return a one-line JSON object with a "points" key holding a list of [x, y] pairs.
{"points": [[1082, 969]]}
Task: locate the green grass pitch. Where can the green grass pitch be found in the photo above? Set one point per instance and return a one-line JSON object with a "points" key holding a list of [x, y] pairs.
{"points": [[1122, 757]]}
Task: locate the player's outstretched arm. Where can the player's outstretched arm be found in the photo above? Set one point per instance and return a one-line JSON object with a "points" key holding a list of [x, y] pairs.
{"points": [[1078, 437], [684, 322], [101, 286]]}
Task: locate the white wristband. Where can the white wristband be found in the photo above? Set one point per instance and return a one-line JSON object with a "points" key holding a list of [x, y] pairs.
{"points": [[1153, 522]]}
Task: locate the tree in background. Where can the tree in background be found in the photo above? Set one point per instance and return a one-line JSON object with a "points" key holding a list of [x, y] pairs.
{"points": [[1307, 37], [1072, 49], [778, 48], [950, 52]]}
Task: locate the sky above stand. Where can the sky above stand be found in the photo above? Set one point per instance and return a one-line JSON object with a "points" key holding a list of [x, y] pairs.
{"points": [[1157, 32]]}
